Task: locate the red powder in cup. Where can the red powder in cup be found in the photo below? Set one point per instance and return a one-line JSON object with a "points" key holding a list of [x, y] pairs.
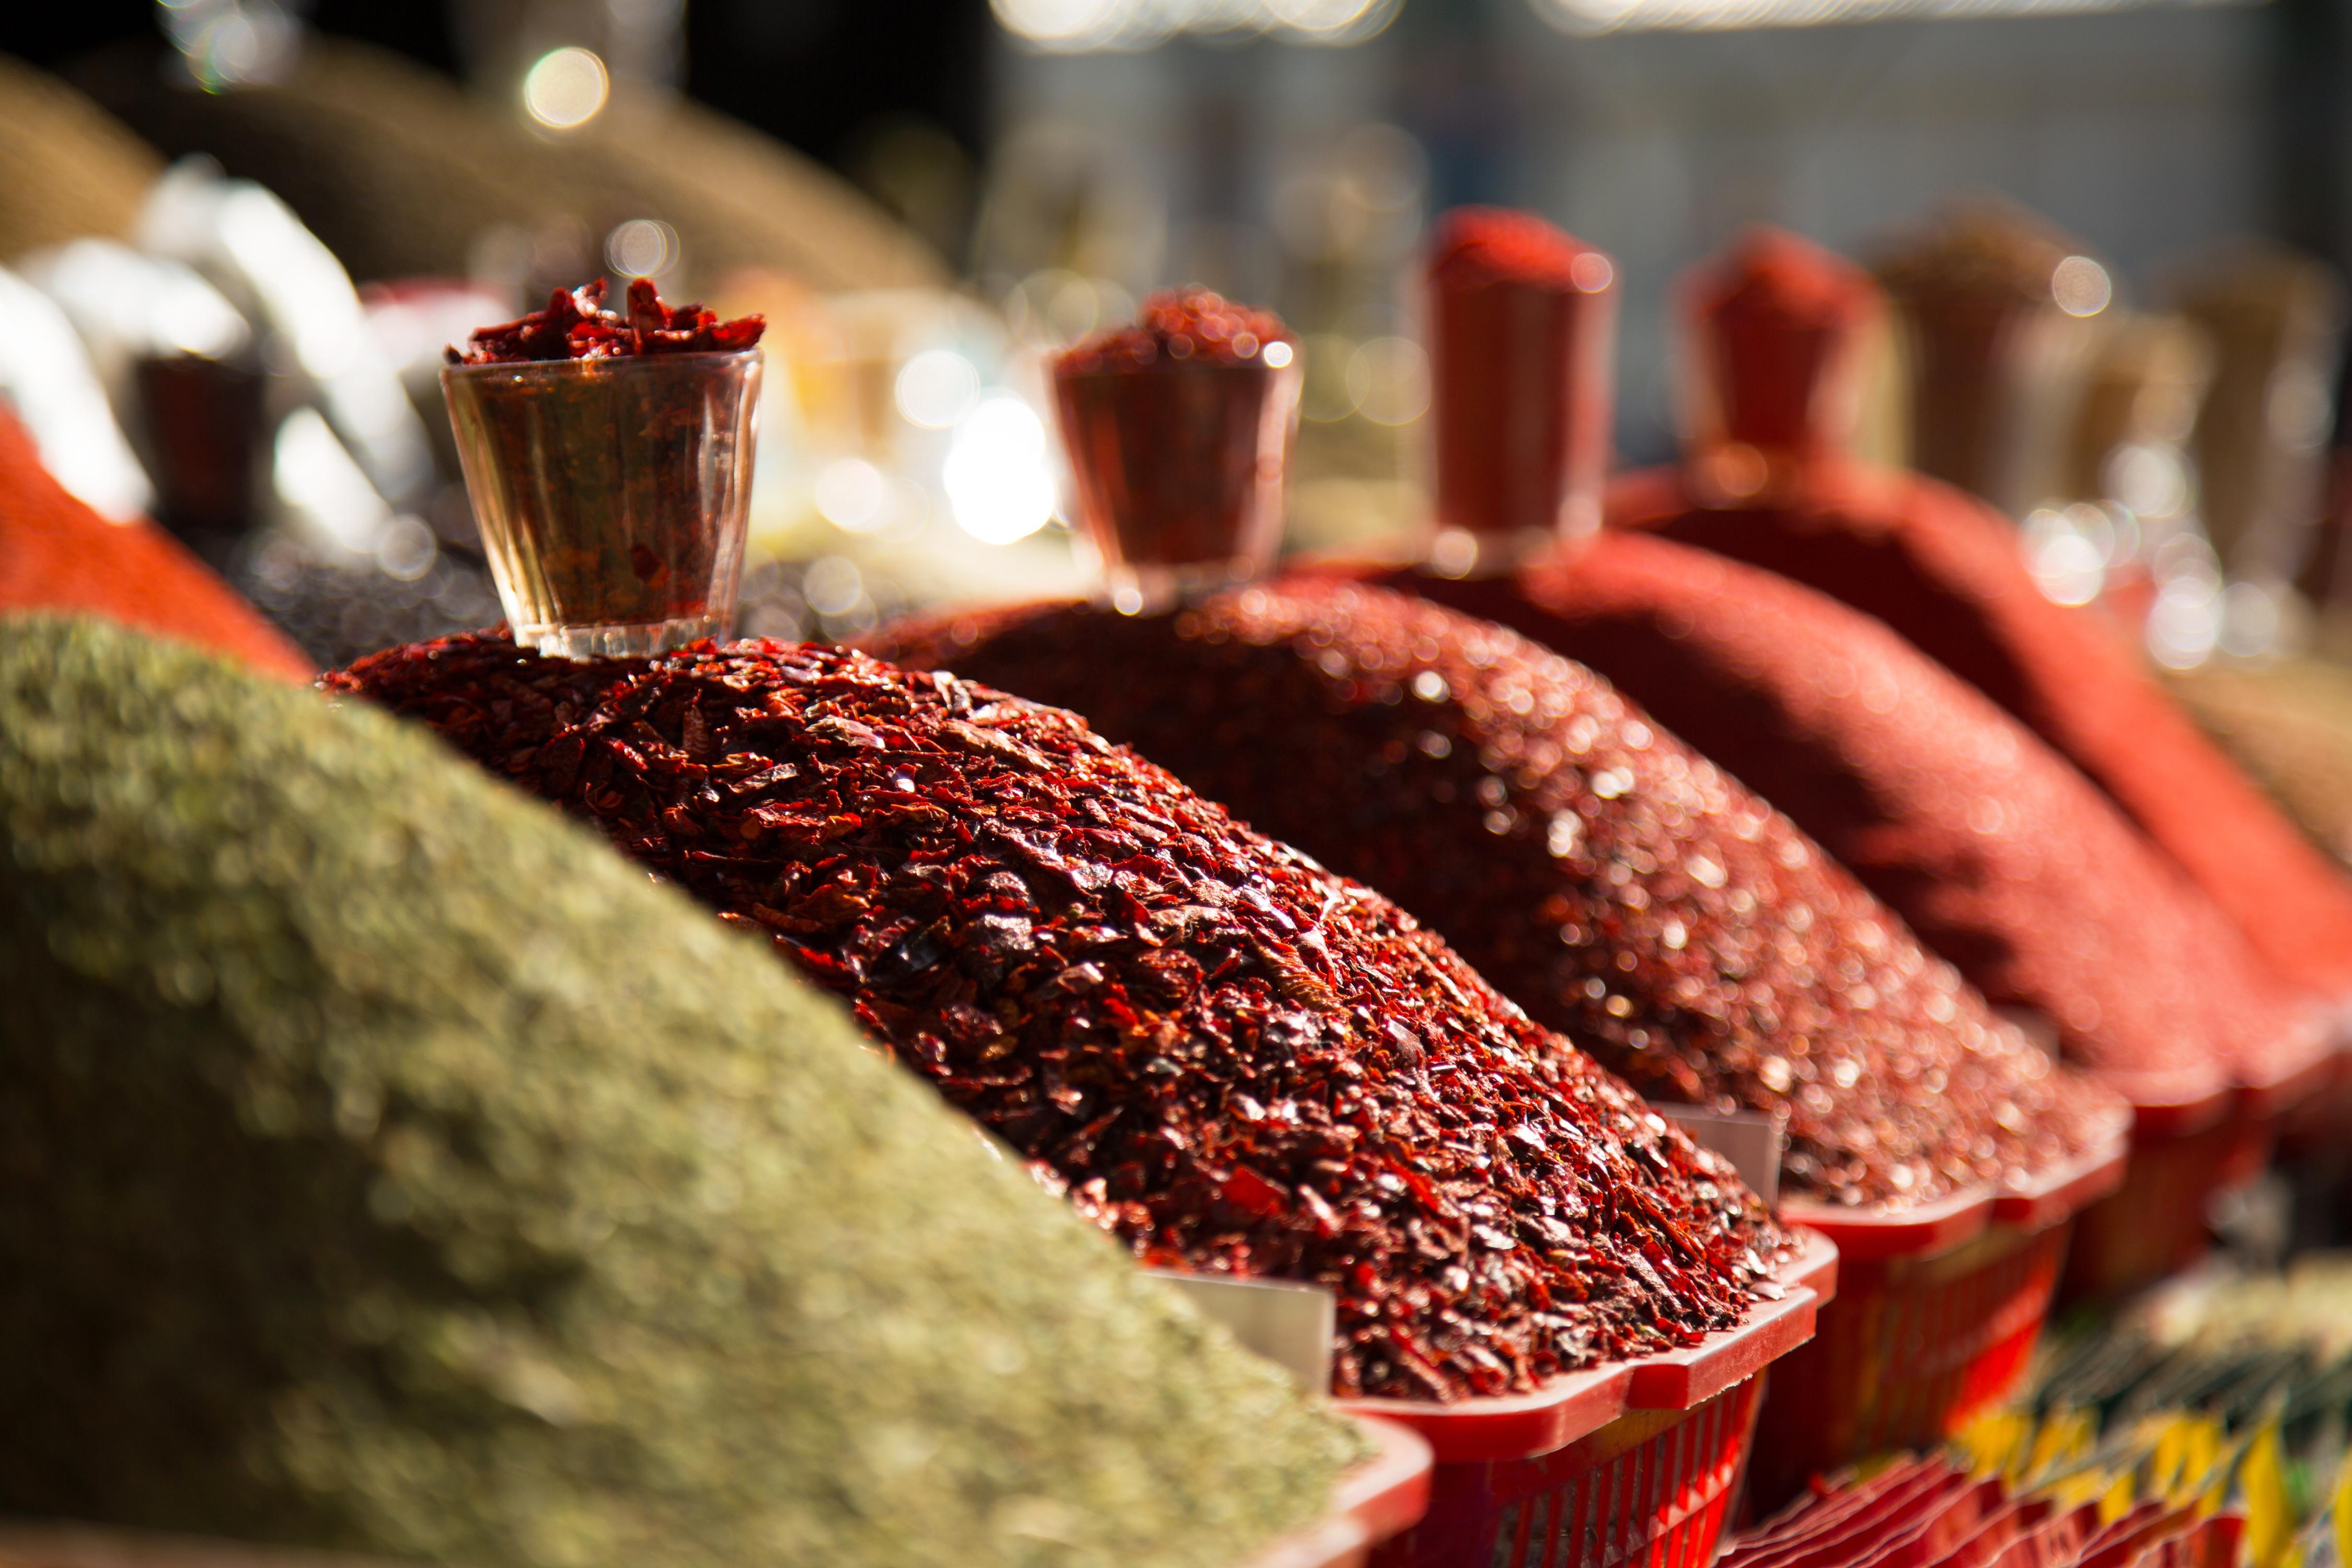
{"points": [[1775, 332], [55, 554], [1522, 323], [1774, 324]]}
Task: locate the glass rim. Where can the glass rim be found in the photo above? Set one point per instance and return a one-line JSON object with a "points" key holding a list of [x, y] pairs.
{"points": [[606, 364]]}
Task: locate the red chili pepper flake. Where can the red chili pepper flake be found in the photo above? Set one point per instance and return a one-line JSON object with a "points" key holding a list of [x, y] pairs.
{"points": [[575, 326], [2000, 857], [1176, 326], [1231, 1059], [1597, 869]]}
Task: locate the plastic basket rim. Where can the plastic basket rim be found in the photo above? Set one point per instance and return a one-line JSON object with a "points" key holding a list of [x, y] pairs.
{"points": [[1578, 1404], [1382, 1497]]}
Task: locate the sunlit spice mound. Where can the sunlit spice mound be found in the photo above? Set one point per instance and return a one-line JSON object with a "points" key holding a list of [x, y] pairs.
{"points": [[1776, 321], [1233, 1059], [575, 326], [1593, 866], [2004, 860]]}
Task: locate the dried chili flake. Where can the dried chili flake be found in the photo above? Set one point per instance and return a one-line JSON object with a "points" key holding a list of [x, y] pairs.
{"points": [[1595, 867], [574, 325], [1230, 1057], [1177, 325], [2005, 859]]}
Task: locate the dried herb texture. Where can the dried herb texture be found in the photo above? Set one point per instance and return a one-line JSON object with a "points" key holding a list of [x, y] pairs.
{"points": [[389, 1166], [1231, 1058], [1596, 868]]}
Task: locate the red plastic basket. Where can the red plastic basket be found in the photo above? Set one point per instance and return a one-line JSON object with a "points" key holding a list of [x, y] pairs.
{"points": [[1631, 1464], [1936, 1315], [2183, 1155]]}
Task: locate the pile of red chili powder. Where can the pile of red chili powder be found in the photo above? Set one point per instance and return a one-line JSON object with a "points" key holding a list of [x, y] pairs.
{"points": [[1231, 1058], [1775, 321], [55, 554], [2005, 859], [1593, 865], [576, 326]]}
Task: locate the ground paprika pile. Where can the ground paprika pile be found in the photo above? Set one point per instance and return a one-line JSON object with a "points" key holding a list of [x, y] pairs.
{"points": [[1775, 328], [57, 554], [2005, 859], [1229, 1056]]}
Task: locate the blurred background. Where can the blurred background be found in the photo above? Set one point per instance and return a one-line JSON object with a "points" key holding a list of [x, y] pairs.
{"points": [[239, 233]]}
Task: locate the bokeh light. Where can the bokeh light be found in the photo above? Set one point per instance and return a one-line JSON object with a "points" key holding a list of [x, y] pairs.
{"points": [[998, 484], [566, 88]]}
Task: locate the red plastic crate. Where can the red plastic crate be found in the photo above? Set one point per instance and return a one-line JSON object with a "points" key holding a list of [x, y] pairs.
{"points": [[1936, 1315], [1631, 1464], [2183, 1155]]}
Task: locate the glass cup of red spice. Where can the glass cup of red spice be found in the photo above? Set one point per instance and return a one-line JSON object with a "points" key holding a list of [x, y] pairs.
{"points": [[1522, 325], [608, 457], [1179, 431]]}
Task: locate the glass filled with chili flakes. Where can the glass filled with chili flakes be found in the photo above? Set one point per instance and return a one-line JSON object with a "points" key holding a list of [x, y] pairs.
{"points": [[608, 458], [1179, 431]]}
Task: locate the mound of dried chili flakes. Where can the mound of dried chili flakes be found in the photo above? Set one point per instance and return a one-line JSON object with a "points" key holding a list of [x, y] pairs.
{"points": [[1231, 1059], [575, 326], [1607, 877]]}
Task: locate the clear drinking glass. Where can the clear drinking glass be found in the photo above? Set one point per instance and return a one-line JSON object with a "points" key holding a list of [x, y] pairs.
{"points": [[613, 494], [1179, 469]]}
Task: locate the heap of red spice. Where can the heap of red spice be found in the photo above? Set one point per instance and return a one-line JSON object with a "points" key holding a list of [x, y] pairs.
{"points": [[2003, 859], [55, 554], [1175, 326], [1598, 870], [1944, 571], [574, 325], [1231, 1059]]}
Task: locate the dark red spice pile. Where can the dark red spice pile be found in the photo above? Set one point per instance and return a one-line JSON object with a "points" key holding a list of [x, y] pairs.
{"points": [[1176, 325], [575, 326], [2005, 859], [1233, 1058], [1944, 571], [1597, 869]]}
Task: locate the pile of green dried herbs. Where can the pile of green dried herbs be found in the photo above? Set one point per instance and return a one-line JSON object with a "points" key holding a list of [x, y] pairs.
{"points": [[386, 1164]]}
